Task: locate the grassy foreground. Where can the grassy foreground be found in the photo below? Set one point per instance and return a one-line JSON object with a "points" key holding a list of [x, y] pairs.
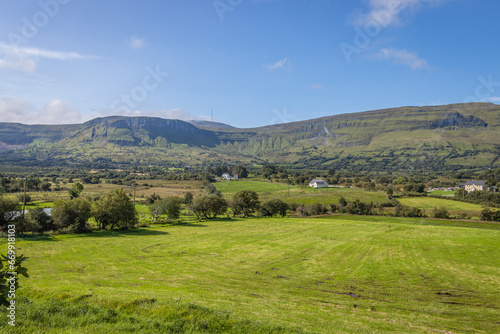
{"points": [[324, 275]]}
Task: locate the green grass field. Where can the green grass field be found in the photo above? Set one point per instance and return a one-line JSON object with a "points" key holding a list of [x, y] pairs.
{"points": [[429, 203], [323, 275], [302, 195]]}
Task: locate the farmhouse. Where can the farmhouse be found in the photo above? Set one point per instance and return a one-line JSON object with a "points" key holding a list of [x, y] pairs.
{"points": [[317, 183], [226, 176], [475, 185]]}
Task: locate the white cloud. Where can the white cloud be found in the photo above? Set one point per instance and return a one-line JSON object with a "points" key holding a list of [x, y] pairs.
{"points": [[404, 57], [388, 12], [317, 87], [136, 43], [174, 113], [284, 64], [25, 59], [14, 110], [494, 99]]}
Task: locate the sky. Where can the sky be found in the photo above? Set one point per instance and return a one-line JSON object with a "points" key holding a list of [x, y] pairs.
{"points": [[247, 63]]}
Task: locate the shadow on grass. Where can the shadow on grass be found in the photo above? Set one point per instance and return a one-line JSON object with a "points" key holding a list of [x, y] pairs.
{"points": [[188, 224]]}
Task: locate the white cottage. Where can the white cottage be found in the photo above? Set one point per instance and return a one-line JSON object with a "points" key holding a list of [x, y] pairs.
{"points": [[317, 183]]}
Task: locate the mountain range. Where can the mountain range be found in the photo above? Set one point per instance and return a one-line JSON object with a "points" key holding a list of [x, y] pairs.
{"points": [[435, 138]]}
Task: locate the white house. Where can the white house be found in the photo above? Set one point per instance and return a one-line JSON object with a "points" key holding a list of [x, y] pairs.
{"points": [[317, 183], [475, 185], [226, 176]]}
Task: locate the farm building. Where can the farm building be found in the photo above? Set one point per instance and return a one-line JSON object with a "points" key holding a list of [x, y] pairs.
{"points": [[317, 183]]}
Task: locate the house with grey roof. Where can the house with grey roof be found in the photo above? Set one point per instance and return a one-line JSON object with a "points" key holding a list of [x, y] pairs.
{"points": [[475, 185], [318, 183]]}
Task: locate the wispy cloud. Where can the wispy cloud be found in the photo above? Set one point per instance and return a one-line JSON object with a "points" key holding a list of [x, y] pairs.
{"points": [[317, 87], [281, 64], [20, 111], [25, 59], [136, 43], [388, 12], [494, 99], [404, 57]]}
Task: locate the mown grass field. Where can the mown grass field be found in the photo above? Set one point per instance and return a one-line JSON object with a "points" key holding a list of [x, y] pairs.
{"points": [[429, 203], [318, 275], [301, 195]]}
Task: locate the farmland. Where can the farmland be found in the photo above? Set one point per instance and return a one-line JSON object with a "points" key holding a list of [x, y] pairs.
{"points": [[318, 275]]}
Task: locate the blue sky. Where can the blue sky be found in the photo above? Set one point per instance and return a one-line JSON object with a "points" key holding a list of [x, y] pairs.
{"points": [[253, 62]]}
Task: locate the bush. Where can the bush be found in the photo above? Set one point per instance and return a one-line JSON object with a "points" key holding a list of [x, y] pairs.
{"points": [[489, 215], [406, 211], [274, 207], [441, 212], [317, 209]]}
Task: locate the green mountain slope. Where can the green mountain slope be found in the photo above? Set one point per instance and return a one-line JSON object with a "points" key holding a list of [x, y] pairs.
{"points": [[408, 138]]}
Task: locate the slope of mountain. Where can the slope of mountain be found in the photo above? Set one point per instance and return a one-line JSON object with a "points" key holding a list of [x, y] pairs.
{"points": [[408, 138]]}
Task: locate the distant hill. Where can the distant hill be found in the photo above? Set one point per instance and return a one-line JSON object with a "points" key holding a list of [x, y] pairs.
{"points": [[211, 125], [438, 138]]}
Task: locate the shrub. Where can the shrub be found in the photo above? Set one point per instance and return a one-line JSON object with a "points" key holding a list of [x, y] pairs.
{"points": [[441, 212], [317, 209], [274, 207]]}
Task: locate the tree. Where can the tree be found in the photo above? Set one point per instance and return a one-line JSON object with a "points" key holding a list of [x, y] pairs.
{"points": [[38, 220], [22, 197], [8, 207], [274, 207], [71, 213], [75, 191], [9, 275], [156, 210], [45, 186], [171, 206], [188, 198], [246, 202], [114, 210], [209, 206]]}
